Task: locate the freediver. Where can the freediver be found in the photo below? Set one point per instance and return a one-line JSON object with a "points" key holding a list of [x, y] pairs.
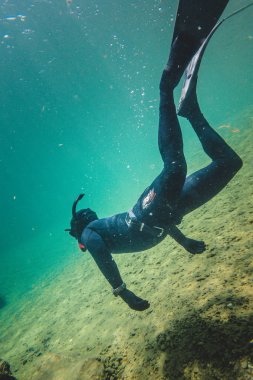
{"points": [[172, 195]]}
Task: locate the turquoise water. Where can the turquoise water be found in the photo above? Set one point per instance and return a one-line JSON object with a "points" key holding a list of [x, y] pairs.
{"points": [[79, 113]]}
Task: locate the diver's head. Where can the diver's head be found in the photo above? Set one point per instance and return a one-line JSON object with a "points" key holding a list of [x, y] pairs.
{"points": [[80, 219]]}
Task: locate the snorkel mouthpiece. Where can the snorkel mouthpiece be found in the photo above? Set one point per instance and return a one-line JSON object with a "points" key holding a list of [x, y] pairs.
{"points": [[80, 196]]}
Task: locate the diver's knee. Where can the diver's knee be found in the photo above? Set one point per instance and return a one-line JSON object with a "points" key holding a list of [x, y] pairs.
{"points": [[233, 165], [237, 163]]}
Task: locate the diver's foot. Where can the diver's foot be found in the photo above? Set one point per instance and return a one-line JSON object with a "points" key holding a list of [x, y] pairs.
{"points": [[134, 302]]}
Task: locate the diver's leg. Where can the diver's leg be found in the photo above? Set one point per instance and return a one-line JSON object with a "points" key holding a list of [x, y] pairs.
{"points": [[204, 184], [170, 140], [194, 28], [167, 187], [207, 182], [213, 144], [192, 32]]}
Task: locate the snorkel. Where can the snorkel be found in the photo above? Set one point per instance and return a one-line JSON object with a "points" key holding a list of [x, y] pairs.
{"points": [[80, 196]]}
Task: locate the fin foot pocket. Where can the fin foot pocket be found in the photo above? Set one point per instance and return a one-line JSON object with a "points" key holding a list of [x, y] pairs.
{"points": [[182, 50]]}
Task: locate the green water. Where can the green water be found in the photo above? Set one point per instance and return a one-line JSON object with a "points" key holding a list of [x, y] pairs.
{"points": [[79, 113]]}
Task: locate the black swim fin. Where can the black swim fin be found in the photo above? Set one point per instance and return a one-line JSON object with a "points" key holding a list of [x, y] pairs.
{"points": [[194, 21], [188, 94], [197, 17], [191, 76]]}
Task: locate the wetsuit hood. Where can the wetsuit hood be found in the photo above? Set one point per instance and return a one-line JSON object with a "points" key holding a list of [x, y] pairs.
{"points": [[80, 219]]}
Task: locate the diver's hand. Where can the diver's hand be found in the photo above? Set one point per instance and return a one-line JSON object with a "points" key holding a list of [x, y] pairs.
{"points": [[194, 246], [134, 302]]}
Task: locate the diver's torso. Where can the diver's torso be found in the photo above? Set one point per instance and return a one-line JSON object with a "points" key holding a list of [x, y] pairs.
{"points": [[152, 208], [120, 238]]}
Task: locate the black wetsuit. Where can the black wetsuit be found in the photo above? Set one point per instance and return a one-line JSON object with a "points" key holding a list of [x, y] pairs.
{"points": [[170, 196]]}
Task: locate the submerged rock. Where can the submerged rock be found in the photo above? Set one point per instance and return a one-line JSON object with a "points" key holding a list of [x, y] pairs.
{"points": [[5, 371], [4, 367]]}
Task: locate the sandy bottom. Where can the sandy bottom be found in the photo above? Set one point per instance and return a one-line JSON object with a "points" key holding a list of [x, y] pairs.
{"points": [[199, 326]]}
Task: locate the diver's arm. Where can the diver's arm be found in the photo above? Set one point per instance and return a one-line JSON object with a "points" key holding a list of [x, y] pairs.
{"points": [[191, 245], [104, 260], [102, 256]]}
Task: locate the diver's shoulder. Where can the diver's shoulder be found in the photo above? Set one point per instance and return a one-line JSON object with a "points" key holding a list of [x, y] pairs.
{"points": [[107, 220], [119, 218]]}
